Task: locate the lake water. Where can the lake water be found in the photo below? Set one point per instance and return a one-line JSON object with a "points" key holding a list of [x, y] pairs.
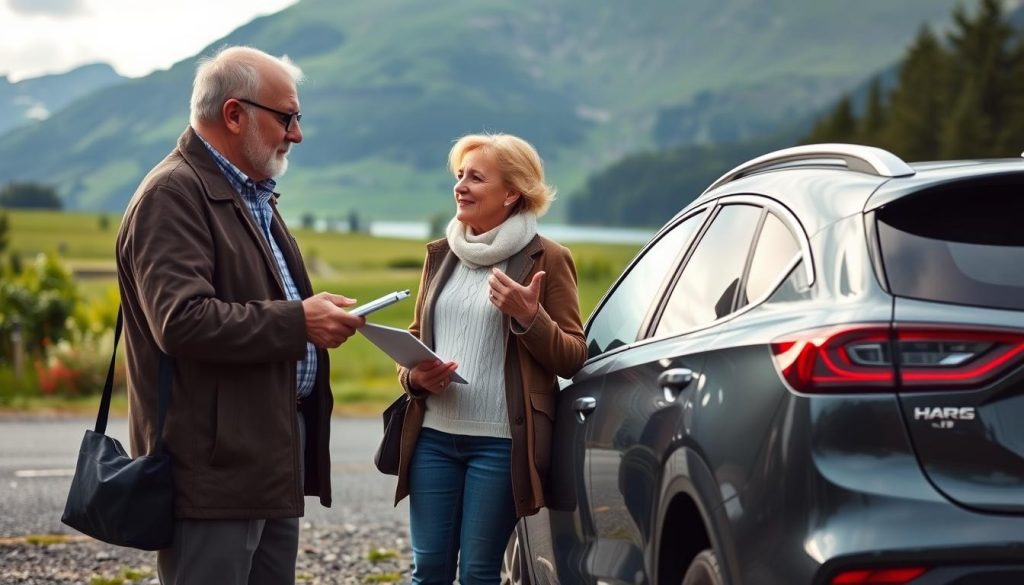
{"points": [[563, 233]]}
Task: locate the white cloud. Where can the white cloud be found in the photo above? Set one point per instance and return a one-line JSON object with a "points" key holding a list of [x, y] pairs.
{"points": [[50, 7], [24, 56], [135, 36]]}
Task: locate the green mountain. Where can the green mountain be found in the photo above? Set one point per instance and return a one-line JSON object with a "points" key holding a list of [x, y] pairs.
{"points": [[391, 83], [36, 98]]}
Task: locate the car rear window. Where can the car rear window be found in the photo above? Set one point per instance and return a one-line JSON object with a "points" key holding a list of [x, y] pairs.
{"points": [[960, 244]]}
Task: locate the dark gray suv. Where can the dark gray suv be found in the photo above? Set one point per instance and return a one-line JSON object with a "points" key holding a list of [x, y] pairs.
{"points": [[813, 374]]}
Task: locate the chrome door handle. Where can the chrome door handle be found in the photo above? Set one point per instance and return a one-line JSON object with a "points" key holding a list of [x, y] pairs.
{"points": [[673, 382], [584, 406]]}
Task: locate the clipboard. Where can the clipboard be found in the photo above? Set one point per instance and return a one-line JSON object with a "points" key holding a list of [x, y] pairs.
{"points": [[403, 347]]}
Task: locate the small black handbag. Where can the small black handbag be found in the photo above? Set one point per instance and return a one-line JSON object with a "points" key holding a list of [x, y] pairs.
{"points": [[117, 499], [390, 447]]}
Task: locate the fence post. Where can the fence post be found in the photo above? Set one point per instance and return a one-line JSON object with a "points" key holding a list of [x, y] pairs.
{"points": [[16, 346]]}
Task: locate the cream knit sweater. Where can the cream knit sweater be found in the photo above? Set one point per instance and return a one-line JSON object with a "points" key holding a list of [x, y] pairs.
{"points": [[468, 331]]}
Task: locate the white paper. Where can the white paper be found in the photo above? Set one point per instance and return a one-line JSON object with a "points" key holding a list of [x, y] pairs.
{"points": [[402, 346]]}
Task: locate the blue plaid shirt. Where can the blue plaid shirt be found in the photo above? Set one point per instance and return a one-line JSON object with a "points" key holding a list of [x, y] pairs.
{"points": [[257, 198]]}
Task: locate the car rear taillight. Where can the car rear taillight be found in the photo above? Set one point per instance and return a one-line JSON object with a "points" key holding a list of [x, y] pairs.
{"points": [[936, 357], [860, 358], [819, 360], [891, 576]]}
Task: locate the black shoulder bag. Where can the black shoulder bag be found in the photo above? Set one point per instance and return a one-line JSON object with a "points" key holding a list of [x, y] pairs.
{"points": [[386, 458], [117, 499]]}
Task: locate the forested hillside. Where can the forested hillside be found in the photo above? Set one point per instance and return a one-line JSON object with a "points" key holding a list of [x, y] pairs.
{"points": [[955, 96]]}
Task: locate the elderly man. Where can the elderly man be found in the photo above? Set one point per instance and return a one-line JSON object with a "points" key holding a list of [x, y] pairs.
{"points": [[210, 276]]}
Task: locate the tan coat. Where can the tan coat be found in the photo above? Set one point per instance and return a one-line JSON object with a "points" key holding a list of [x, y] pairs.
{"points": [[553, 346], [198, 281]]}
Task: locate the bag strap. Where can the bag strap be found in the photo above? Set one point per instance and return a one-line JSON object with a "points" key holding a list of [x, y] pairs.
{"points": [[165, 378]]}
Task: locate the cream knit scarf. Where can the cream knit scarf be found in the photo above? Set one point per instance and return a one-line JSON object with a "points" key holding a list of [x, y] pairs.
{"points": [[496, 245]]}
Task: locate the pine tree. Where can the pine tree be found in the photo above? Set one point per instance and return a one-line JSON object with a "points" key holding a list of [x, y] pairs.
{"points": [[839, 126], [918, 105], [967, 131], [1011, 132], [982, 57], [871, 125]]}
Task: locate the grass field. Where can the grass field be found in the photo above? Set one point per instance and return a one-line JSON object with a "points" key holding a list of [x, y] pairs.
{"points": [[356, 265]]}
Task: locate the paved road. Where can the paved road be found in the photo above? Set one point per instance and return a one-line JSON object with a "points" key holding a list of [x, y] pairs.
{"points": [[37, 458]]}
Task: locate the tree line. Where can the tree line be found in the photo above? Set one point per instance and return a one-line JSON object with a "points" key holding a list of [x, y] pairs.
{"points": [[647, 189], [29, 196], [957, 95]]}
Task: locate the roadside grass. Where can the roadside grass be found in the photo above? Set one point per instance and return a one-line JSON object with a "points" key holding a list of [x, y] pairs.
{"points": [[359, 266], [46, 539], [391, 577], [42, 539], [377, 555], [123, 577]]}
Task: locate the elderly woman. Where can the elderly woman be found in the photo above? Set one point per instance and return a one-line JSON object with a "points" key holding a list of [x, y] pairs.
{"points": [[501, 302]]}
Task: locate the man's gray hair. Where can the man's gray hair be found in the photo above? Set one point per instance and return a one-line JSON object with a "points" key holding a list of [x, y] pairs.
{"points": [[231, 73]]}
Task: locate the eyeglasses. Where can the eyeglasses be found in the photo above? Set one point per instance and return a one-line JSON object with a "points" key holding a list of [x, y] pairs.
{"points": [[286, 118]]}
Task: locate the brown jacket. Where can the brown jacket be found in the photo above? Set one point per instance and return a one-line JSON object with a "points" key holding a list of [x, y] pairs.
{"points": [[199, 282], [553, 346]]}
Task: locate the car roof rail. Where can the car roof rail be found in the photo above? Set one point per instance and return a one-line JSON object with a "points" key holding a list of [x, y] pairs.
{"points": [[857, 157]]}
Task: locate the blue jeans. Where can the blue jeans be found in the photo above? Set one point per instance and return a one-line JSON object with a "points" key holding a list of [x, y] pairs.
{"points": [[461, 508]]}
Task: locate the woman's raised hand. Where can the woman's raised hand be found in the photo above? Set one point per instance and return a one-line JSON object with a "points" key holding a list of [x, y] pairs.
{"points": [[515, 300]]}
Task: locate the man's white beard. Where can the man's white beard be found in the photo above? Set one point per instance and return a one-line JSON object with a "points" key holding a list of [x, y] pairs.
{"points": [[263, 158]]}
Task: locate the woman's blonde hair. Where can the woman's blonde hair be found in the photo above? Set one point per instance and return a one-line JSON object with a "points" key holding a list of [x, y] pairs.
{"points": [[520, 165]]}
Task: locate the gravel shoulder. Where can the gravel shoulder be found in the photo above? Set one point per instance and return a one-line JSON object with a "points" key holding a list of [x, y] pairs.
{"points": [[329, 554], [363, 538]]}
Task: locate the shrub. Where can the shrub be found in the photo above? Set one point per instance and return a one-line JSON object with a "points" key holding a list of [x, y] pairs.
{"points": [[14, 387], [36, 303], [66, 344], [79, 367]]}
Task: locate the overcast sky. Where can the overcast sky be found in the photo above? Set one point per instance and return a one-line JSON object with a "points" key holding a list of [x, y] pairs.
{"points": [[135, 36]]}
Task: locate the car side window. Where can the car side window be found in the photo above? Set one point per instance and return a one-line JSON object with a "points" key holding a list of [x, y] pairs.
{"points": [[793, 289], [617, 322], [775, 249], [707, 287]]}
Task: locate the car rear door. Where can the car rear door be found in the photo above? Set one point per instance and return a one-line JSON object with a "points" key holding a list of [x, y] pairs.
{"points": [[954, 259]]}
